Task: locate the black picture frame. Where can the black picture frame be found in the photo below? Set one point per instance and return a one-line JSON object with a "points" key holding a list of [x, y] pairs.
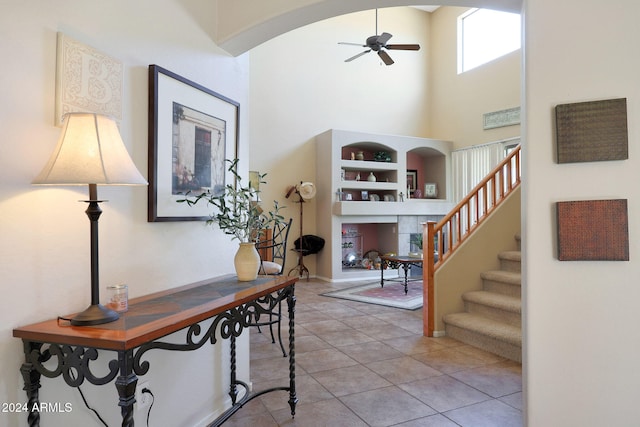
{"points": [[192, 131], [412, 180]]}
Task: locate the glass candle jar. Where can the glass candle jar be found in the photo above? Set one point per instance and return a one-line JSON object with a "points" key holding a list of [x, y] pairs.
{"points": [[118, 298]]}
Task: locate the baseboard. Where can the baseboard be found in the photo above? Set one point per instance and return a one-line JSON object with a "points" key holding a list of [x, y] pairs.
{"points": [[210, 418]]}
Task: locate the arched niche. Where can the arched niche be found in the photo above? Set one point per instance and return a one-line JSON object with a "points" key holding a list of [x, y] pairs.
{"points": [[432, 170]]}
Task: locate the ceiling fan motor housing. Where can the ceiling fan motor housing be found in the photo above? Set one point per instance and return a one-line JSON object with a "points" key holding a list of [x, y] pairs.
{"points": [[373, 43]]}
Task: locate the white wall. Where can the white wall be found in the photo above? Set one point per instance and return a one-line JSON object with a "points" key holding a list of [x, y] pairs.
{"points": [[44, 233], [580, 333], [301, 87], [458, 101], [581, 318]]}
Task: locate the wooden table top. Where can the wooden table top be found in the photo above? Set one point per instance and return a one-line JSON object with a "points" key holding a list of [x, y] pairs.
{"points": [[156, 315], [400, 258]]}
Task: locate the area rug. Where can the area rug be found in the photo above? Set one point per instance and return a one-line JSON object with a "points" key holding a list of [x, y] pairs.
{"points": [[391, 295]]}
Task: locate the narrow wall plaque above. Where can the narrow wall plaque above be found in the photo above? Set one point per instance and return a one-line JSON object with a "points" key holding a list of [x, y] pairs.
{"points": [[497, 119], [592, 131]]}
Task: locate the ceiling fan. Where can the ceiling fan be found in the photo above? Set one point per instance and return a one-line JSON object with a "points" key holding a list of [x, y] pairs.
{"points": [[378, 43]]}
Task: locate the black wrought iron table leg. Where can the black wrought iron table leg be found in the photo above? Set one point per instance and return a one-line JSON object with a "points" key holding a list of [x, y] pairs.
{"points": [[291, 306], [126, 385], [233, 387], [284, 353], [406, 268], [31, 378]]}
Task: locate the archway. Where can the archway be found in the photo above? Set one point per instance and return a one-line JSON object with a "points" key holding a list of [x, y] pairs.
{"points": [[244, 29]]}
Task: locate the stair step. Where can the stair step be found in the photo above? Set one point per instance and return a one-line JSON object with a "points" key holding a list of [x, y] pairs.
{"points": [[503, 282], [495, 306], [510, 277], [510, 260], [492, 299], [489, 335], [487, 327], [511, 255]]}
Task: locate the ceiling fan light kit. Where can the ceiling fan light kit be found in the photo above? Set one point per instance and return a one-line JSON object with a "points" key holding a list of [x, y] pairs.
{"points": [[378, 43]]}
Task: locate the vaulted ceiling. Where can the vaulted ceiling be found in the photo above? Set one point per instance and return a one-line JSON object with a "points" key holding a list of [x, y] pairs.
{"points": [[244, 24]]}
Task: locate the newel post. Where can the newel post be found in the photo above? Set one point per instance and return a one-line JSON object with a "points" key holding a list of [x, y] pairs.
{"points": [[428, 234]]}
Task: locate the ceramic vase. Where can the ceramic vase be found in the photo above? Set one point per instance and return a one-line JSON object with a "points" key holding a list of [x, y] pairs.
{"points": [[247, 262]]}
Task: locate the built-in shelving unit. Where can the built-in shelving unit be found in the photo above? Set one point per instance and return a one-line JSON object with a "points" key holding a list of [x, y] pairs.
{"points": [[349, 202], [357, 178]]}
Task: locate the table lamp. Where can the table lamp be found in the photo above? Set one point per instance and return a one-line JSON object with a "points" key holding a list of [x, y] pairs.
{"points": [[90, 152]]}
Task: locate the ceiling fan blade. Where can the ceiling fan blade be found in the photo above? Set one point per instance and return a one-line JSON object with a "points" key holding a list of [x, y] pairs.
{"points": [[384, 38], [385, 57], [353, 44], [403, 46], [357, 56]]}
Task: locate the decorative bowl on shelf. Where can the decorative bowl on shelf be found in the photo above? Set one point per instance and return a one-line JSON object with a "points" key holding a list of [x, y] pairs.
{"points": [[382, 156]]}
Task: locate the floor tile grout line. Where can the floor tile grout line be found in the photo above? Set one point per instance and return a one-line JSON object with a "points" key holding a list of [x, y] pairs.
{"points": [[340, 316]]}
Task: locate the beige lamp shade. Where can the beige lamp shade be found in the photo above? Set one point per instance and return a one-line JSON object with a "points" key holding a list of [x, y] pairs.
{"points": [[90, 151]]}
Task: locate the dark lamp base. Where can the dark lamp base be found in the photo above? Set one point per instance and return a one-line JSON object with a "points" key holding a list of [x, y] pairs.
{"points": [[94, 315]]}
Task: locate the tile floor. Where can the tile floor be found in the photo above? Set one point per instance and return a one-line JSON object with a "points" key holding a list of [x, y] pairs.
{"points": [[366, 365]]}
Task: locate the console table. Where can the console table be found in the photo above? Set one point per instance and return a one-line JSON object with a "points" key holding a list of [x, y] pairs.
{"points": [[395, 261], [232, 305]]}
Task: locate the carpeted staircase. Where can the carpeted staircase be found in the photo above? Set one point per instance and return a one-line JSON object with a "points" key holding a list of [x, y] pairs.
{"points": [[492, 317]]}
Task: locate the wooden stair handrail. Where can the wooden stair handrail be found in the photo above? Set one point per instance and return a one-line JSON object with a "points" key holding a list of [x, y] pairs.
{"points": [[473, 209]]}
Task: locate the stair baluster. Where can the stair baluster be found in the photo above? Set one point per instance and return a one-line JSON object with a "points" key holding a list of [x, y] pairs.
{"points": [[472, 210]]}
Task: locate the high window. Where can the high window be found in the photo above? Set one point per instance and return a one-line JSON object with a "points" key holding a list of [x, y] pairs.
{"points": [[484, 35]]}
